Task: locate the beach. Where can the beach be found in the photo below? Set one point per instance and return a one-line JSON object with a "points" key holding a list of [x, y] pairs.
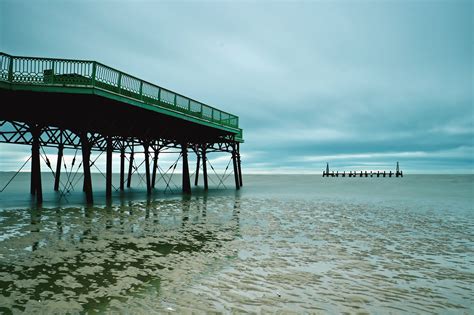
{"points": [[284, 243]]}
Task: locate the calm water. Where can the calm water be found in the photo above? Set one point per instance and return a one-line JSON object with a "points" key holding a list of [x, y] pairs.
{"points": [[294, 243]]}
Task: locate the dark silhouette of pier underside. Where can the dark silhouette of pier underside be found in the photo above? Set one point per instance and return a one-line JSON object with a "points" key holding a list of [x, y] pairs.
{"points": [[102, 115], [89, 106]]}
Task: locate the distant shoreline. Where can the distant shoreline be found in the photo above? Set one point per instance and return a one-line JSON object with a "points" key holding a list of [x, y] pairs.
{"points": [[273, 174]]}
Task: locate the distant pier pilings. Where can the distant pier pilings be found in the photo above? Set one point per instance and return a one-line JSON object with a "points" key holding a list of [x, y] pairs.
{"points": [[396, 173]]}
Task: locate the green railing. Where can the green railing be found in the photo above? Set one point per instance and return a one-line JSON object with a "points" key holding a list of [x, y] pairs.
{"points": [[64, 72]]}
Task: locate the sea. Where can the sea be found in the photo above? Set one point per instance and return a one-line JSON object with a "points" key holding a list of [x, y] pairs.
{"points": [[286, 244]]}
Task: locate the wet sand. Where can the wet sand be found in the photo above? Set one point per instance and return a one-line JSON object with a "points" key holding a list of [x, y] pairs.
{"points": [[238, 253]]}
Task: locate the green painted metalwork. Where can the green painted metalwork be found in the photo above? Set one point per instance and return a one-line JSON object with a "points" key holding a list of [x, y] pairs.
{"points": [[91, 77]]}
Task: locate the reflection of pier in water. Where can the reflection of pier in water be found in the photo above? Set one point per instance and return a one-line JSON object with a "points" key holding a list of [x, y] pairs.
{"points": [[397, 173], [113, 251]]}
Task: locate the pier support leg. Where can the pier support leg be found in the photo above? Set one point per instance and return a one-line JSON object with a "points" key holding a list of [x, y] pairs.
{"points": [[186, 182], [198, 162], [155, 167], [239, 165], [146, 145], [58, 167], [34, 157], [108, 172], [236, 172], [122, 168], [204, 167], [86, 165], [36, 188], [130, 169]]}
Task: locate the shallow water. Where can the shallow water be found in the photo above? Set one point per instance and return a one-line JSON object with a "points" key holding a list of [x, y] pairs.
{"points": [[286, 244]]}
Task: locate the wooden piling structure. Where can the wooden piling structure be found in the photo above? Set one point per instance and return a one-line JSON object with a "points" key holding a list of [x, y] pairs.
{"points": [[35, 186], [146, 146], [122, 167], [57, 175], [108, 171], [236, 172], [86, 165], [239, 165], [397, 173], [204, 167], [155, 167], [130, 168], [186, 184], [198, 161]]}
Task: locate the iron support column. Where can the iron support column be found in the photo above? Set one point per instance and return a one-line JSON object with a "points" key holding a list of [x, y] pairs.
{"points": [[155, 166], [204, 167], [86, 165], [146, 145], [122, 168], [36, 188], [198, 162], [108, 172], [186, 182], [239, 165], [236, 172], [58, 167], [130, 168], [34, 156]]}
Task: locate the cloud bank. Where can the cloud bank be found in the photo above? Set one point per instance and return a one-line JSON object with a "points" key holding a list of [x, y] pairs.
{"points": [[350, 83]]}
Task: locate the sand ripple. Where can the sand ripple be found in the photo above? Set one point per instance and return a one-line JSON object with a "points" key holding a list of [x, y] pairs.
{"points": [[227, 254]]}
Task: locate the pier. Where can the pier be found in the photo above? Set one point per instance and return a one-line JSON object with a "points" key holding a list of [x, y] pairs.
{"points": [[397, 173], [87, 106]]}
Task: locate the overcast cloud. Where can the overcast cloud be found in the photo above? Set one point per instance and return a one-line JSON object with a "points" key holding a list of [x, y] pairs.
{"points": [[358, 84]]}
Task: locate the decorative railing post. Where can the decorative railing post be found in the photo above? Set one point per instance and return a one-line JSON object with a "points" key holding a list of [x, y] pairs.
{"points": [[189, 104], [119, 83], [94, 70], [174, 102], [53, 71], [10, 70], [141, 90], [159, 94]]}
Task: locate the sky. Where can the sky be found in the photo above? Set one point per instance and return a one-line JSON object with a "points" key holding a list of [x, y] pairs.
{"points": [[358, 84]]}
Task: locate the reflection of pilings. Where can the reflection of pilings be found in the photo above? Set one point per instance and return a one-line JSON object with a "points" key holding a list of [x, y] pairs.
{"points": [[186, 205], [146, 145], [155, 166], [198, 162], [108, 173], [122, 167], [35, 187], [147, 208], [236, 215], [236, 173], [58, 167], [204, 206], [130, 168], [87, 223], [59, 223], [204, 167], [86, 164], [35, 220], [186, 181]]}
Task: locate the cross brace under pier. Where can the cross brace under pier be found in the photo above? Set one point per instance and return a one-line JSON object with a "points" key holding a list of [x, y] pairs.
{"points": [[47, 136]]}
